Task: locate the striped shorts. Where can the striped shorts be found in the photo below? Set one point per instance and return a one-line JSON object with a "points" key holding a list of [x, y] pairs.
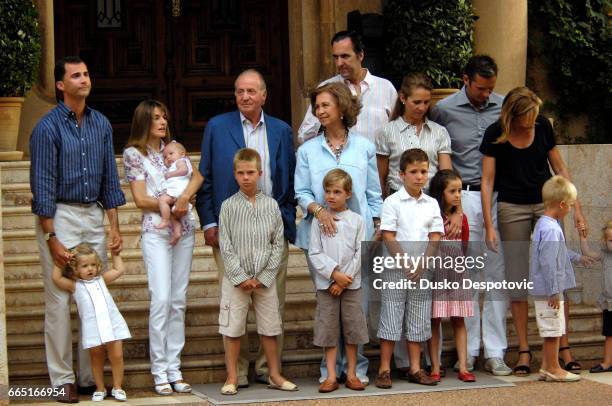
{"points": [[406, 311]]}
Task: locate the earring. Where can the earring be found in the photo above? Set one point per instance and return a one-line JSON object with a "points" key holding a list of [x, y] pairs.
{"points": [[341, 117]]}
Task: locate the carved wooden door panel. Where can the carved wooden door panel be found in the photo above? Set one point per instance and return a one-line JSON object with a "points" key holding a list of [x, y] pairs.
{"points": [[185, 53]]}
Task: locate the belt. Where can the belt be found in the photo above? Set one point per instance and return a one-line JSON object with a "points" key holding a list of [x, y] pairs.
{"points": [[77, 204], [475, 188]]}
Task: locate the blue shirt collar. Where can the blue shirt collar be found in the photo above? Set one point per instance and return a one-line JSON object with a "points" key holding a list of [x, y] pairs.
{"points": [[67, 113], [463, 100]]}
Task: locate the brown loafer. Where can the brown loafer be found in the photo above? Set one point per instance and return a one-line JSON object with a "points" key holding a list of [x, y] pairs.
{"points": [[328, 386], [383, 380], [354, 384], [67, 393], [421, 378]]}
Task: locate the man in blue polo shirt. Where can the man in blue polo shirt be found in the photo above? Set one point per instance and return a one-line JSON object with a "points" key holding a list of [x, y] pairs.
{"points": [[73, 177], [466, 115]]}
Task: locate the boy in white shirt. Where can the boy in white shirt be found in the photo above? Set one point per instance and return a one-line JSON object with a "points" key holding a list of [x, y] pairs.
{"points": [[337, 263], [408, 216]]}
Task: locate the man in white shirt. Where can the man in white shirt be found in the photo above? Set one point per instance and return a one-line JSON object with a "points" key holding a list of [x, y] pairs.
{"points": [[377, 95]]}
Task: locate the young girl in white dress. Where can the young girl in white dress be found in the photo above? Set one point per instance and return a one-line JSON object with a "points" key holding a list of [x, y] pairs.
{"points": [[102, 326]]}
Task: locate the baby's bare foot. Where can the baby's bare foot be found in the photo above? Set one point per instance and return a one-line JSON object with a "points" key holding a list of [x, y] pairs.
{"points": [[176, 236], [162, 224]]}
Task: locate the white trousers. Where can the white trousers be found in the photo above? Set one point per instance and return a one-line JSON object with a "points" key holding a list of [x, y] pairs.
{"points": [[168, 270], [495, 306], [74, 224]]}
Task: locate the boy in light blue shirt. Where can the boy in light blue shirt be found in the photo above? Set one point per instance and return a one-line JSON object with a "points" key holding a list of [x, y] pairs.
{"points": [[551, 274]]}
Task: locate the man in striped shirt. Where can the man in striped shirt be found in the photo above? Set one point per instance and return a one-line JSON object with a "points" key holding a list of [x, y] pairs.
{"points": [[73, 177], [377, 95]]}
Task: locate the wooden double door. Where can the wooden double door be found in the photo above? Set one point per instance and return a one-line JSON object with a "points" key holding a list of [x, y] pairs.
{"points": [[185, 53]]}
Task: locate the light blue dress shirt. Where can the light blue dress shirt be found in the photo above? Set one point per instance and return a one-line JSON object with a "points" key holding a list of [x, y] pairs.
{"points": [[466, 126], [551, 268], [358, 159]]}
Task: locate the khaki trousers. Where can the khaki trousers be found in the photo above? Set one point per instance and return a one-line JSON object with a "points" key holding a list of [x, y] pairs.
{"points": [[261, 367]]}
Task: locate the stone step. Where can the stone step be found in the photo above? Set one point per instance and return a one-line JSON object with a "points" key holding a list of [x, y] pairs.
{"points": [[199, 340], [23, 241], [27, 266], [201, 311], [15, 172], [19, 171], [19, 194], [587, 347], [583, 318], [195, 369], [15, 182], [135, 288], [20, 217]]}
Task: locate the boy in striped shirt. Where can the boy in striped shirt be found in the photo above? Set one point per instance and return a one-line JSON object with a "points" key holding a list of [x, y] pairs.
{"points": [[251, 241]]}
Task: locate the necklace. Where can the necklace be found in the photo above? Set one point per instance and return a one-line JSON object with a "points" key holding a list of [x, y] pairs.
{"points": [[337, 150]]}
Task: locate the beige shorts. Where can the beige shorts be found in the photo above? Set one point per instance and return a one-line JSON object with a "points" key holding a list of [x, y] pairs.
{"points": [[234, 309], [551, 322]]}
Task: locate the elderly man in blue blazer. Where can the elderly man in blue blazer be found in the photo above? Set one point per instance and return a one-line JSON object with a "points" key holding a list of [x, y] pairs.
{"points": [[224, 135]]}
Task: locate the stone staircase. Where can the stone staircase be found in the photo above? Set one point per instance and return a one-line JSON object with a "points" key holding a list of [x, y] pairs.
{"points": [[203, 354]]}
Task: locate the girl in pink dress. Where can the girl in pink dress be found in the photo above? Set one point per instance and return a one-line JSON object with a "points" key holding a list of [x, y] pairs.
{"points": [[454, 302]]}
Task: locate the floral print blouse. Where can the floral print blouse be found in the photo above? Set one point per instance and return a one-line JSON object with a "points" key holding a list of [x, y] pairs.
{"points": [[151, 169]]}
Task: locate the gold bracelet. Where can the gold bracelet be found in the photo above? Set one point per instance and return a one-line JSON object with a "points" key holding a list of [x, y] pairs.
{"points": [[316, 211]]}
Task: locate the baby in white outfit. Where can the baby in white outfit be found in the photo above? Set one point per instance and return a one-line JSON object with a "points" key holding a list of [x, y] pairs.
{"points": [[102, 326], [177, 179]]}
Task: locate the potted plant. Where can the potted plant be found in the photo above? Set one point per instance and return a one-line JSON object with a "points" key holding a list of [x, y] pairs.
{"points": [[434, 37], [19, 58]]}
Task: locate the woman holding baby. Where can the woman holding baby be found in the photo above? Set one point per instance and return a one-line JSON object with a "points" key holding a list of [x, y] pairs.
{"points": [[167, 262]]}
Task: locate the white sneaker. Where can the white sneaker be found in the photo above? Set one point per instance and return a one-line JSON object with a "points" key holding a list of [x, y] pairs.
{"points": [[470, 364], [364, 380], [98, 396], [497, 367], [119, 394]]}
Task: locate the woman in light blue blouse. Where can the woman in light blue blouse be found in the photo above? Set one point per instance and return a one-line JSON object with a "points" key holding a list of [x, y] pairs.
{"points": [[336, 147]]}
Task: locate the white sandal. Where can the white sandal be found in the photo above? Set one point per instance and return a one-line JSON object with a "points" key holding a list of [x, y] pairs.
{"points": [[229, 389], [163, 389], [181, 387]]}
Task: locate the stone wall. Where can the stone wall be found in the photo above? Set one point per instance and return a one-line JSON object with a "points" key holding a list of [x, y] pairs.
{"points": [[311, 27], [41, 98], [590, 167]]}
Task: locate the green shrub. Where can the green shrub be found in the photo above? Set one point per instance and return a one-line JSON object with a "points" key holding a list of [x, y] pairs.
{"points": [[19, 47], [573, 38], [430, 36]]}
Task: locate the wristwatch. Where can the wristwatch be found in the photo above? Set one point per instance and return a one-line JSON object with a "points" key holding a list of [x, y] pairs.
{"points": [[50, 235]]}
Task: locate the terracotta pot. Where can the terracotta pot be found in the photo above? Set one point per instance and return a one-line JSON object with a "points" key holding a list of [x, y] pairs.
{"points": [[10, 113], [439, 94]]}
